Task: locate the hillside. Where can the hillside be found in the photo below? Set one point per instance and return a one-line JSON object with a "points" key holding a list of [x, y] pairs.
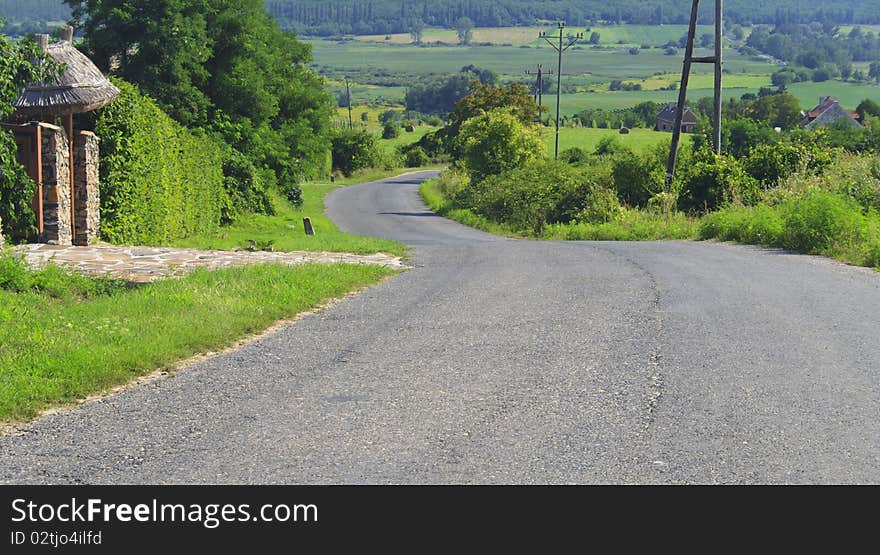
{"points": [[389, 16]]}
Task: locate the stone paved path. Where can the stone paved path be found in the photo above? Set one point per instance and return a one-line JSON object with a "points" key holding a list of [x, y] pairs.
{"points": [[145, 264]]}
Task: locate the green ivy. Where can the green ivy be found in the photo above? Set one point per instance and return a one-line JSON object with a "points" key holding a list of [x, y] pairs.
{"points": [[159, 181]]}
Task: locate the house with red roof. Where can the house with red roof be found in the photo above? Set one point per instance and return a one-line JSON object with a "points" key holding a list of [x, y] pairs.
{"points": [[827, 112]]}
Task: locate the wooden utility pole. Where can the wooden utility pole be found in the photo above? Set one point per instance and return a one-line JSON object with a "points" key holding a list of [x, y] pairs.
{"points": [[348, 101], [690, 59], [539, 84], [560, 48]]}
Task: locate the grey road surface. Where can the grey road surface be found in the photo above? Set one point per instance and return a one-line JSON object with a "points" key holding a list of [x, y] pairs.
{"points": [[509, 361]]}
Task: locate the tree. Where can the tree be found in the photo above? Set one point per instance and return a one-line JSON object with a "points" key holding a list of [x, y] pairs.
{"points": [[874, 71], [464, 28], [868, 107], [497, 141], [16, 189], [484, 98], [779, 110], [416, 30], [222, 65]]}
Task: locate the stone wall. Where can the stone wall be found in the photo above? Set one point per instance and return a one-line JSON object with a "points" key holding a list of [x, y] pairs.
{"points": [[87, 199], [56, 186]]}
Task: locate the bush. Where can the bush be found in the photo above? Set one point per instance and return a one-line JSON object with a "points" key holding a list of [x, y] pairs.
{"points": [[390, 131], [830, 224], [710, 181], [245, 187], [636, 177], [495, 142], [159, 181], [353, 150], [537, 193], [819, 222], [574, 156], [416, 158]]}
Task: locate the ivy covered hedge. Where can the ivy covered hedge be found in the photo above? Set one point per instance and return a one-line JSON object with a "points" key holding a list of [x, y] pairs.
{"points": [[159, 180]]}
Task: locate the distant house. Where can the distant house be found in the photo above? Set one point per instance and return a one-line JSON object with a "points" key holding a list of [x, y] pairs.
{"points": [[827, 112], [666, 119]]}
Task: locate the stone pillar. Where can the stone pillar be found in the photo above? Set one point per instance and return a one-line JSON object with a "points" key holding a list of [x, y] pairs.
{"points": [[87, 199], [56, 186]]}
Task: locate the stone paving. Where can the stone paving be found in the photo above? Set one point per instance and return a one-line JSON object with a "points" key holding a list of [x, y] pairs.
{"points": [[146, 264]]}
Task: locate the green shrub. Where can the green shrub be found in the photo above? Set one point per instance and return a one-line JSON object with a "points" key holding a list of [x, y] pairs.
{"points": [[245, 187], [601, 206], [574, 156], [711, 180], [159, 181], [353, 150], [530, 196], [637, 177], [497, 141], [758, 225], [416, 158], [830, 224], [390, 130]]}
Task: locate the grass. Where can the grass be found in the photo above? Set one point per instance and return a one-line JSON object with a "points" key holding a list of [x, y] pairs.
{"points": [[54, 350], [284, 231]]}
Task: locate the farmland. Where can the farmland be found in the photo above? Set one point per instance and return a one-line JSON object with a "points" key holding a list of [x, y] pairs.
{"points": [[381, 67]]}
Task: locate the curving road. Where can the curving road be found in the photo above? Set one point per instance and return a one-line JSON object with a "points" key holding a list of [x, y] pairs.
{"points": [[506, 361]]}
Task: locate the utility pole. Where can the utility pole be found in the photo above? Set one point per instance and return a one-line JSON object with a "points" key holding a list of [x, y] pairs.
{"points": [[560, 48], [689, 59], [539, 84], [348, 95]]}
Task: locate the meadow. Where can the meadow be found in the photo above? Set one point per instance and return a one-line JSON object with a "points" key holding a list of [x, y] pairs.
{"points": [[383, 69]]}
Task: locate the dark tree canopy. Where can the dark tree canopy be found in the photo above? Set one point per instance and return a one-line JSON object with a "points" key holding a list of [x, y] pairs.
{"points": [[222, 65]]}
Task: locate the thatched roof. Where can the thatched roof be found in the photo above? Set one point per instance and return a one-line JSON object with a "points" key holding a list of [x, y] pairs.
{"points": [[81, 87]]}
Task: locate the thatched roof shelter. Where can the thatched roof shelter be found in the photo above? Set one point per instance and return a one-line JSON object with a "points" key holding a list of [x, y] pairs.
{"points": [[81, 87]]}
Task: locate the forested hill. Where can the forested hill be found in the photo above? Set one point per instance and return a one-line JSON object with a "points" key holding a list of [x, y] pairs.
{"points": [[326, 17]]}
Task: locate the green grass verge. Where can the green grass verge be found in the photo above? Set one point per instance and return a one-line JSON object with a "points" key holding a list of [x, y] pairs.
{"points": [[636, 225], [284, 231], [55, 349]]}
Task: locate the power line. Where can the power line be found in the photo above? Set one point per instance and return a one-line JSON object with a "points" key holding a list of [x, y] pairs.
{"points": [[560, 48]]}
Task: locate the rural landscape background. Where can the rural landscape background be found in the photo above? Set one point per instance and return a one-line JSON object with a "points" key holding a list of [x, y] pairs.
{"points": [[237, 119]]}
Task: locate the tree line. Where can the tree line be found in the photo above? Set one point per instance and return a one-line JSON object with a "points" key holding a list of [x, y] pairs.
{"points": [[322, 17]]}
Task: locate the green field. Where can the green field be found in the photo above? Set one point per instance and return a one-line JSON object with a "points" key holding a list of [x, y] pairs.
{"points": [[588, 138], [358, 58], [623, 35]]}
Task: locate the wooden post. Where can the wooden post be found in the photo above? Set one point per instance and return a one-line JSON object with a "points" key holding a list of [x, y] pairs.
{"points": [[718, 41], [38, 201], [68, 128]]}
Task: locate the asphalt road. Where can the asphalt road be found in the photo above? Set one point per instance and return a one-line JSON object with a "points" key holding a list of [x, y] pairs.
{"points": [[507, 361]]}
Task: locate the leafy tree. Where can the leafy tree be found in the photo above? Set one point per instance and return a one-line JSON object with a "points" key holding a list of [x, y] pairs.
{"points": [[16, 188], [223, 65], [464, 28], [497, 141], [417, 30], [874, 71], [484, 98], [779, 110], [868, 107]]}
